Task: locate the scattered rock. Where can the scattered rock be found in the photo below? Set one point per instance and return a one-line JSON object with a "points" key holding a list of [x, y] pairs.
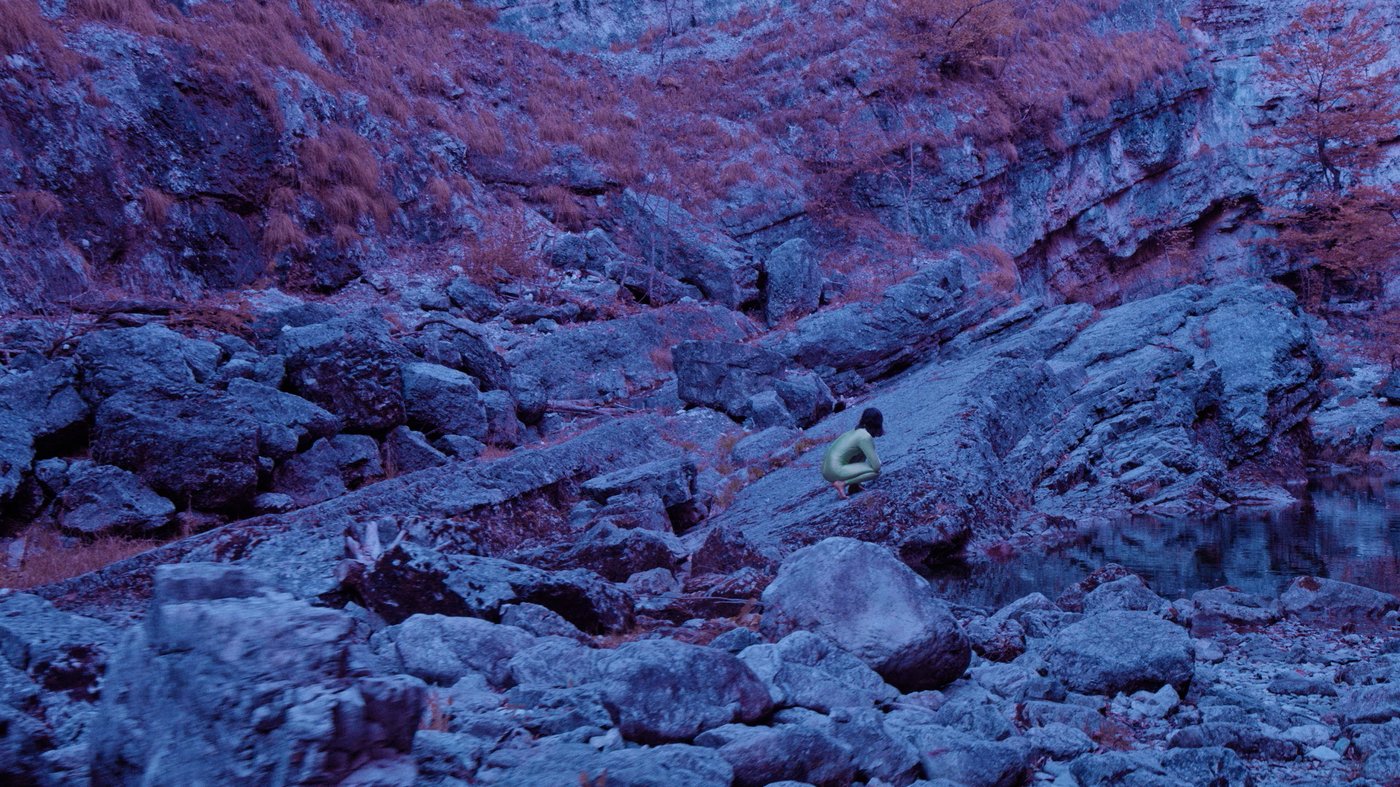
{"points": [[350, 367], [763, 755], [1319, 600], [806, 670], [439, 401]]}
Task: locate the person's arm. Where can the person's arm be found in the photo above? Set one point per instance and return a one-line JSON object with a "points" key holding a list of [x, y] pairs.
{"points": [[867, 447]]}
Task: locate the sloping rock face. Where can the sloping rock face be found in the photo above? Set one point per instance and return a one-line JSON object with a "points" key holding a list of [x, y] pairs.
{"points": [[1176, 403]]}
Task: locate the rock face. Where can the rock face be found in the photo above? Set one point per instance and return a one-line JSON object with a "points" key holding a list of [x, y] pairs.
{"points": [[748, 382], [1121, 651], [254, 686], [879, 611], [1162, 405]]}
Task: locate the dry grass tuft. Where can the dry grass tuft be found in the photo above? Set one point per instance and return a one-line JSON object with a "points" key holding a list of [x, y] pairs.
{"points": [[47, 560]]}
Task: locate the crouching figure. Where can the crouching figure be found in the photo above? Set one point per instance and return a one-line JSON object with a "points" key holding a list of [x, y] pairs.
{"points": [[851, 460]]}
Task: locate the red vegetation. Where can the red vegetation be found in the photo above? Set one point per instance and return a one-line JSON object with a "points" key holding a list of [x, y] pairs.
{"points": [[1328, 65]]}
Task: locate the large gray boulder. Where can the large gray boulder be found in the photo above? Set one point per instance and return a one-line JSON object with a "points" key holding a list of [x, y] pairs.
{"points": [[286, 423], [1121, 651], [47, 400], [350, 367], [145, 357], [663, 690], [724, 375], [257, 688], [439, 401], [101, 499], [860, 596], [194, 446], [794, 281], [461, 345]]}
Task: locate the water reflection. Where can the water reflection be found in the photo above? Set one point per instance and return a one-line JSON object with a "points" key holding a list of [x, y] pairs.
{"points": [[1347, 528]]}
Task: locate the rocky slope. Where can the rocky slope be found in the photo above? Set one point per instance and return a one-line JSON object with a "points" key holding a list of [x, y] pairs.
{"points": [[554, 512]]}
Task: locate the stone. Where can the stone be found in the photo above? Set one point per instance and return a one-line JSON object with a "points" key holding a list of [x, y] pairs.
{"points": [[881, 612], [350, 367], [1060, 741], [690, 251], [1327, 601], [724, 375], [672, 480], [765, 446], [996, 639], [286, 423], [476, 302], [876, 752], [763, 755], [663, 690], [1128, 768], [946, 753], [150, 356], [407, 451], [1121, 651], [614, 553], [1219, 606], [806, 670], [195, 447], [793, 281], [101, 500], [1376, 703], [672, 765], [415, 579], [330, 468], [261, 689], [1383, 766], [439, 400], [1126, 593], [540, 621], [60, 651], [442, 649], [806, 396], [449, 755]]}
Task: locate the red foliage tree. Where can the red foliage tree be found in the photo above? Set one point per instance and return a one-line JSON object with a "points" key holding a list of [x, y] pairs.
{"points": [[1329, 67]]}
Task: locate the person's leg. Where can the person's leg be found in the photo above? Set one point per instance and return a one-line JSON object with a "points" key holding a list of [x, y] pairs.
{"points": [[851, 475]]}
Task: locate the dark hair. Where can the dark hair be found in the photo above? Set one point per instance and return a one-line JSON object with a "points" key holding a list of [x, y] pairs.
{"points": [[872, 421]]}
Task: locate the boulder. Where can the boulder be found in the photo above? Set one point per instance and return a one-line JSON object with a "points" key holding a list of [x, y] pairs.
{"points": [[1125, 593], [947, 753], [441, 649], [793, 281], [614, 553], [663, 690], [1216, 607], [476, 302], [724, 375], [350, 367], [1121, 651], [286, 423], [1327, 601], [439, 400], [764, 755], [194, 446], [879, 610], [690, 251], [461, 345], [261, 689], [672, 480], [407, 451], [413, 579], [46, 400], [151, 356], [330, 468], [806, 670], [101, 499]]}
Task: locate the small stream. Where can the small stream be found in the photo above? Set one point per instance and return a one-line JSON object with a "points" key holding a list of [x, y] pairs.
{"points": [[1346, 528]]}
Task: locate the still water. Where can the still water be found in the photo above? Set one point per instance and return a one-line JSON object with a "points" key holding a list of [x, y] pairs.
{"points": [[1345, 528]]}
